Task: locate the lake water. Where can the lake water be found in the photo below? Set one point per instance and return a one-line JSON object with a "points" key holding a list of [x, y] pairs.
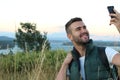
{"points": [[54, 46], [14, 50], [59, 45]]}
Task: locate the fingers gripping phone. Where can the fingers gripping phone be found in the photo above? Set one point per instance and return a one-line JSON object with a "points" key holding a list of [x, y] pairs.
{"points": [[111, 10]]}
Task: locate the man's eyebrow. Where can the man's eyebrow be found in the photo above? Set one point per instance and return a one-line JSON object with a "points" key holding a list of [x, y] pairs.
{"points": [[81, 26], [78, 27]]}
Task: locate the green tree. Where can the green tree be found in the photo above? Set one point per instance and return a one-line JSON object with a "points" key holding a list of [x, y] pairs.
{"points": [[28, 38]]}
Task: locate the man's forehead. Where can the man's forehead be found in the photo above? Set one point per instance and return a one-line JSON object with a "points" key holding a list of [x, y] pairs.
{"points": [[78, 24]]}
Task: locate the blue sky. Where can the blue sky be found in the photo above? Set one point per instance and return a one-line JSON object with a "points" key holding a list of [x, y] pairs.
{"points": [[51, 16]]}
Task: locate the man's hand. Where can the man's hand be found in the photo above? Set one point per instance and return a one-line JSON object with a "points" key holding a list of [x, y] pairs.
{"points": [[62, 73], [68, 59], [116, 20]]}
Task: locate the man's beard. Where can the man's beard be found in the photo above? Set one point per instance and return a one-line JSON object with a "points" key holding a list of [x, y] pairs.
{"points": [[80, 41]]}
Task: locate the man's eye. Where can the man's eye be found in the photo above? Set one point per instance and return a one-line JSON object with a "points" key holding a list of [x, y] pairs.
{"points": [[84, 27], [78, 28]]}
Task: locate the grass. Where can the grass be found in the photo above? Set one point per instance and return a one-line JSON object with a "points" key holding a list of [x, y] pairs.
{"points": [[31, 66], [43, 65]]}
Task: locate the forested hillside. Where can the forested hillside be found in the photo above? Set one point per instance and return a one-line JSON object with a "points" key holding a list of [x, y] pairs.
{"points": [[6, 42], [99, 43]]}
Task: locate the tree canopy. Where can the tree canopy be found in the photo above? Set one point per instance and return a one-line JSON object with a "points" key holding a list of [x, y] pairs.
{"points": [[28, 38]]}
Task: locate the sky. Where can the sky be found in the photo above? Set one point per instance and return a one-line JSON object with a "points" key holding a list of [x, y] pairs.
{"points": [[51, 15]]}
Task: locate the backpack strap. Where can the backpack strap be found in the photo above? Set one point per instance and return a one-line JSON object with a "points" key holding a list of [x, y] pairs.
{"points": [[74, 66], [76, 56], [103, 57]]}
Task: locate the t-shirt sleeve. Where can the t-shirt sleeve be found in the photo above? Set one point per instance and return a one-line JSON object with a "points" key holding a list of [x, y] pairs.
{"points": [[67, 72], [110, 53]]}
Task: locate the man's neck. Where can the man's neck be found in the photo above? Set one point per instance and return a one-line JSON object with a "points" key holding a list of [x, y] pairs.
{"points": [[81, 49]]}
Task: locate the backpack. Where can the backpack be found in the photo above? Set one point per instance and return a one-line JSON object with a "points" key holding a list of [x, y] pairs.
{"points": [[113, 71], [102, 55]]}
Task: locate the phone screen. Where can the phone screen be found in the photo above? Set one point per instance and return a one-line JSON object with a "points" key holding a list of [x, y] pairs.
{"points": [[110, 10]]}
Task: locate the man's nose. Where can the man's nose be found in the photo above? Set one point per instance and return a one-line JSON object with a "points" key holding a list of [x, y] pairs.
{"points": [[83, 30]]}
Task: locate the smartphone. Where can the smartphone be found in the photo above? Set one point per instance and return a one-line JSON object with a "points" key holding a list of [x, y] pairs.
{"points": [[110, 10]]}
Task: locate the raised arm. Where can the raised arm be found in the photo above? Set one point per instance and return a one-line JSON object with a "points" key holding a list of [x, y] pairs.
{"points": [[62, 73], [116, 22]]}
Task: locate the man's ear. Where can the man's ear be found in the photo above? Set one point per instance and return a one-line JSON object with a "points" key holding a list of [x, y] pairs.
{"points": [[69, 36]]}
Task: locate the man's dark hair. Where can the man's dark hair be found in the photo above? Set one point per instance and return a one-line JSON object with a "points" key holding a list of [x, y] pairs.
{"points": [[70, 22]]}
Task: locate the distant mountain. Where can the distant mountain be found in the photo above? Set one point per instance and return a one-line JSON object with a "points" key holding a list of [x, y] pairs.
{"points": [[98, 43], [61, 35], [6, 38], [57, 36], [9, 34], [6, 42]]}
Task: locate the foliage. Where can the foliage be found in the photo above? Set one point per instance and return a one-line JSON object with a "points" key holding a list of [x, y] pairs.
{"points": [[54, 60], [34, 66], [28, 38], [18, 62]]}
